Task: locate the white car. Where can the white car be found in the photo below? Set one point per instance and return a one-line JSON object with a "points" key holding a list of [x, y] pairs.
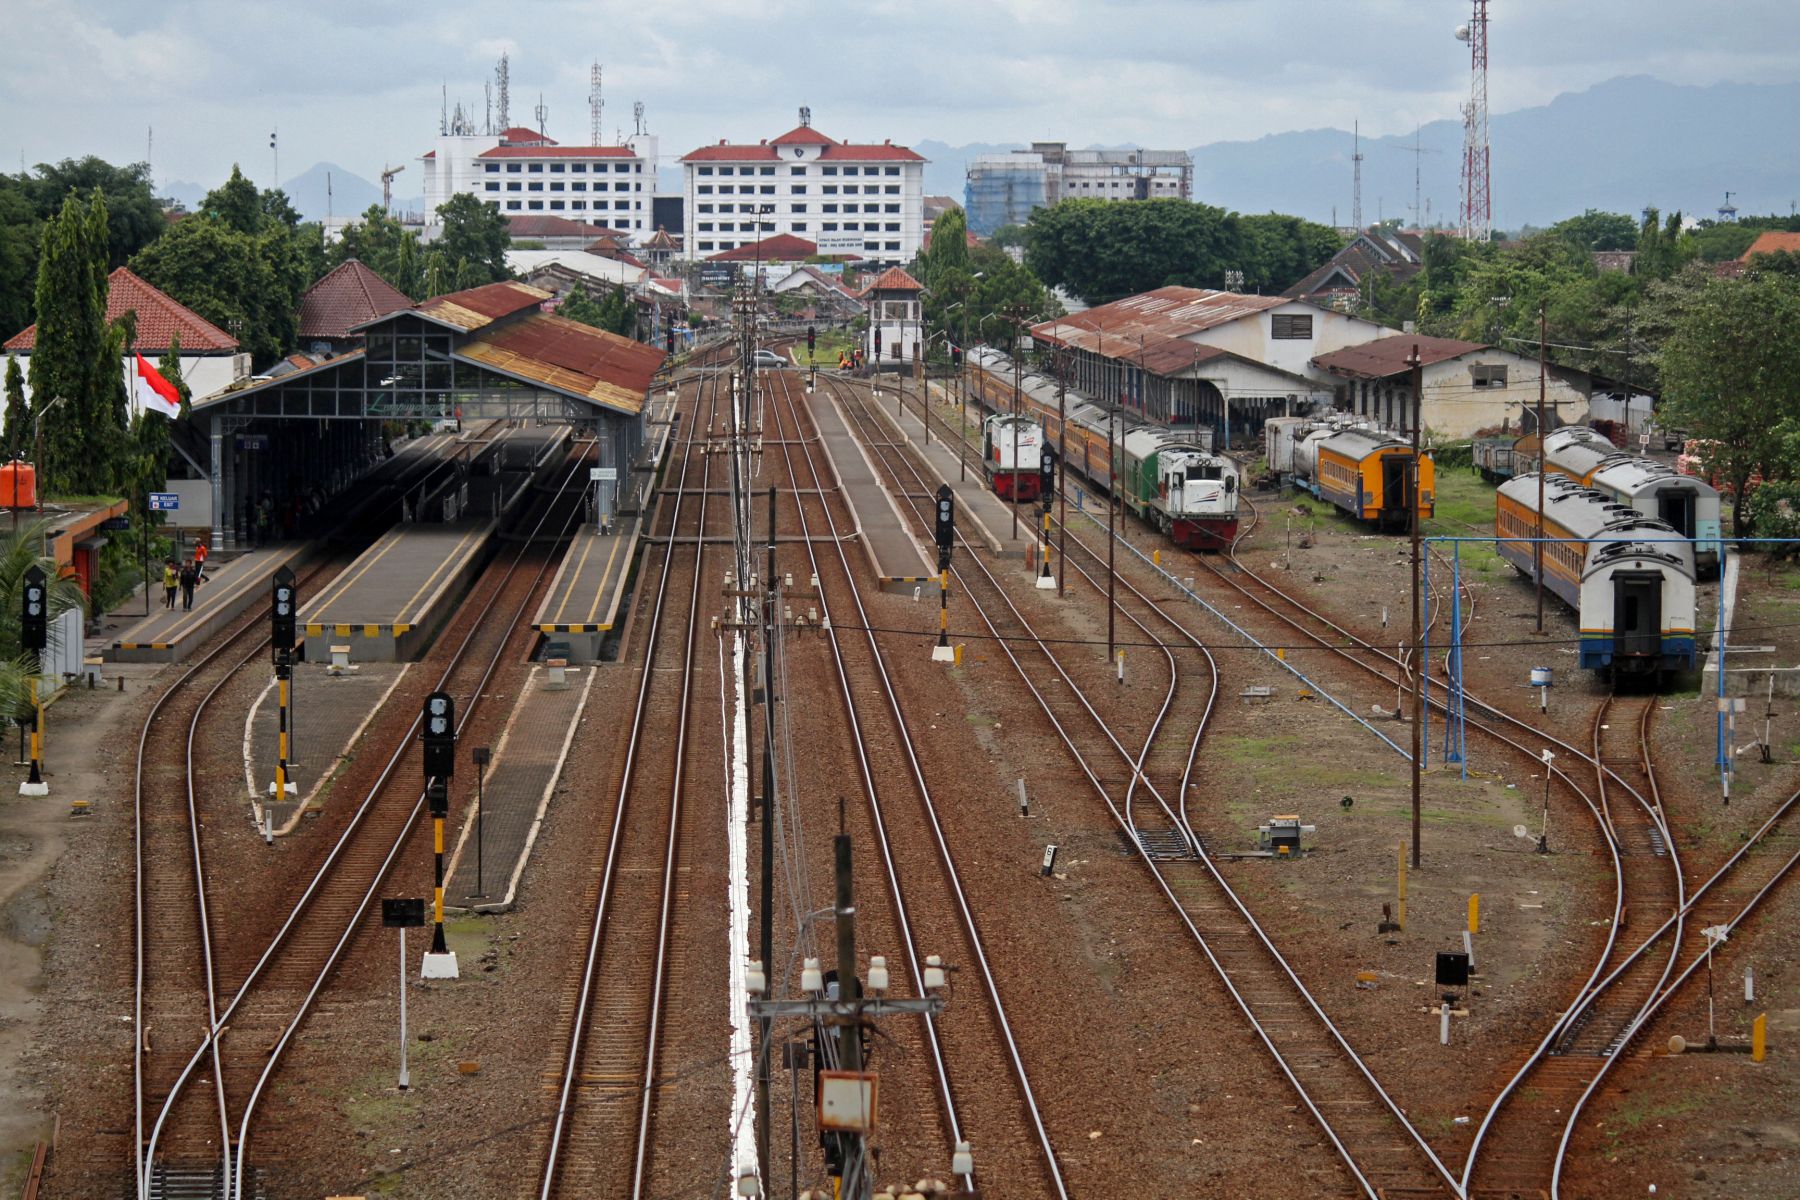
{"points": [[768, 358]]}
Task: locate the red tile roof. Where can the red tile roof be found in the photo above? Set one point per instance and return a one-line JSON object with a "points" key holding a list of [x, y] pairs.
{"points": [[894, 280], [559, 152], [570, 357], [1386, 357], [345, 297], [519, 134], [482, 306], [725, 152], [833, 152], [886, 152], [160, 318], [1772, 241], [529, 227], [661, 240], [609, 247], [803, 135], [783, 247]]}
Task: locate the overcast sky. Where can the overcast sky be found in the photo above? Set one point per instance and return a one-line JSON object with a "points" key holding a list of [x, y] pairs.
{"points": [[357, 82]]}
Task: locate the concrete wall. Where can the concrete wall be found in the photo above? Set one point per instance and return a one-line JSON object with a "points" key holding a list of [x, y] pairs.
{"points": [[800, 202], [203, 374], [1252, 338]]}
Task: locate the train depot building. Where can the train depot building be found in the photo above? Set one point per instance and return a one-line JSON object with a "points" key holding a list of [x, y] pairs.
{"points": [[489, 353], [1192, 356], [1467, 386]]}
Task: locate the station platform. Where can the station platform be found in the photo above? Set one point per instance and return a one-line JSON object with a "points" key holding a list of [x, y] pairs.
{"points": [[388, 605], [231, 588], [900, 563], [496, 835], [981, 515], [329, 713], [588, 592]]}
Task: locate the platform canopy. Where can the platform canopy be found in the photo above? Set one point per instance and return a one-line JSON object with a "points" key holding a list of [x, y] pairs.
{"points": [[487, 353]]}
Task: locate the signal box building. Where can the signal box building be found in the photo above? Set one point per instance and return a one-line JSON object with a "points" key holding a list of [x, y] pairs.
{"points": [[894, 309], [489, 353]]}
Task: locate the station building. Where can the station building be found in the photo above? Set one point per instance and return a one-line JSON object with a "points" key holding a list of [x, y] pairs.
{"points": [[859, 199], [1192, 356], [210, 357], [1467, 386], [482, 354]]}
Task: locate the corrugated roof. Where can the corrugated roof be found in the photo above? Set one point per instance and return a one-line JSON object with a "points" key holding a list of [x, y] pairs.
{"points": [[570, 357], [782, 247], [160, 318], [1153, 327], [1385, 357], [348, 295], [482, 306]]}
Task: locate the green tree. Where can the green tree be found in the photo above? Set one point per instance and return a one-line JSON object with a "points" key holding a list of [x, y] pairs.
{"points": [[1729, 383], [1009, 235], [134, 217], [236, 203], [615, 311], [1596, 230], [949, 249], [68, 365], [471, 248], [18, 417], [381, 244]]}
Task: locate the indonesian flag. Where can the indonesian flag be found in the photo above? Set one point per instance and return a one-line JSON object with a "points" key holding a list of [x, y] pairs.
{"points": [[151, 392]]}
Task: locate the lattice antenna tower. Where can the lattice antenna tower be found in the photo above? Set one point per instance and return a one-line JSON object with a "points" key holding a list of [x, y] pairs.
{"points": [[806, 115], [501, 79], [1356, 160], [1477, 198], [596, 104], [637, 118], [542, 115]]}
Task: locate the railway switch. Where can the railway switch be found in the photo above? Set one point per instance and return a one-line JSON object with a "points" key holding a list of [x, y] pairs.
{"points": [[1280, 836]]}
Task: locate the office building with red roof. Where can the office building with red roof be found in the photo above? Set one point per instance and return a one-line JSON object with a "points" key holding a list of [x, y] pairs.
{"points": [[525, 174], [849, 198]]}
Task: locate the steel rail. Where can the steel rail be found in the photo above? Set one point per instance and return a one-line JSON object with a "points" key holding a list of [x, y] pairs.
{"points": [[141, 934], [964, 910], [566, 1097], [338, 850], [1126, 824]]}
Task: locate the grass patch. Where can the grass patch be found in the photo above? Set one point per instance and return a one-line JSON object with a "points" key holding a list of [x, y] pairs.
{"points": [[1642, 1107], [825, 353], [1285, 756]]}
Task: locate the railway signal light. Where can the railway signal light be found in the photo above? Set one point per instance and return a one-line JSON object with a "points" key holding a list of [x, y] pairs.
{"points": [[669, 340], [878, 342], [812, 340], [946, 525], [34, 620], [1047, 476], [439, 736], [283, 604]]}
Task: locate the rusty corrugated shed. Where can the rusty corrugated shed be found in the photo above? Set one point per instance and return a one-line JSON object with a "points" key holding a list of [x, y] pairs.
{"points": [[1388, 356], [1152, 328], [570, 357], [482, 306]]}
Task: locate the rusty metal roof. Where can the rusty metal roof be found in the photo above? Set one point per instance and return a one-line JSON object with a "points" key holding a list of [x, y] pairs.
{"points": [[482, 306], [570, 357], [1385, 357], [1152, 328]]}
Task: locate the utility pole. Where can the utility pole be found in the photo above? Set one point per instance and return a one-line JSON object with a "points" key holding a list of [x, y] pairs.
{"points": [[1112, 534], [1537, 554], [1062, 445], [1419, 665], [767, 916], [1018, 325]]}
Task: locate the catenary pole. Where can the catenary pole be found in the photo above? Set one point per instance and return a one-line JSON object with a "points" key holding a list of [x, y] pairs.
{"points": [[1537, 550], [1418, 663]]}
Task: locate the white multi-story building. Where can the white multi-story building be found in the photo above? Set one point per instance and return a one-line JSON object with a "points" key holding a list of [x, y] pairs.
{"points": [[865, 200], [522, 173]]}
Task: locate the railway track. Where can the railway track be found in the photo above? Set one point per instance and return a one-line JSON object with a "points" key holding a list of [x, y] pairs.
{"points": [[272, 993], [1382, 1153], [599, 1136], [878, 771]]}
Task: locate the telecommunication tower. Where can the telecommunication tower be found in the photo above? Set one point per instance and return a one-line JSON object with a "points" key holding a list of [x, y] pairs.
{"points": [[1356, 159], [1477, 203], [501, 74], [595, 105], [542, 114]]}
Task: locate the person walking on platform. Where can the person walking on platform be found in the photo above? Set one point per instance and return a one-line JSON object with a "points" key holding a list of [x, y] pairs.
{"points": [[189, 579], [200, 554], [170, 578]]}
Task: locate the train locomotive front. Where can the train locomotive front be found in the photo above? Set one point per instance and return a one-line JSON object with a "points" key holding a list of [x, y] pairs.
{"points": [[1012, 447], [1630, 578], [1179, 487]]}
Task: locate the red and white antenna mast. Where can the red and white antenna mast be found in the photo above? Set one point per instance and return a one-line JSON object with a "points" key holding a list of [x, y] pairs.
{"points": [[1477, 205]]}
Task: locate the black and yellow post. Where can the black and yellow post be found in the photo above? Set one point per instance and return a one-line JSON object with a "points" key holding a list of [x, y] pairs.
{"points": [[946, 542], [284, 605], [34, 635], [438, 733], [1046, 582]]}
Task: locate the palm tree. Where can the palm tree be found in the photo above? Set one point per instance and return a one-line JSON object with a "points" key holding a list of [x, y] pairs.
{"points": [[20, 550]]}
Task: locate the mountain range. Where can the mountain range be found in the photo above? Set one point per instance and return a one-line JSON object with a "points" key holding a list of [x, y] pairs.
{"points": [[1619, 146]]}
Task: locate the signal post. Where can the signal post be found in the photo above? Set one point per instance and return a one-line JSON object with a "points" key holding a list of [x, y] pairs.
{"points": [[283, 605], [438, 734], [34, 635], [946, 544]]}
